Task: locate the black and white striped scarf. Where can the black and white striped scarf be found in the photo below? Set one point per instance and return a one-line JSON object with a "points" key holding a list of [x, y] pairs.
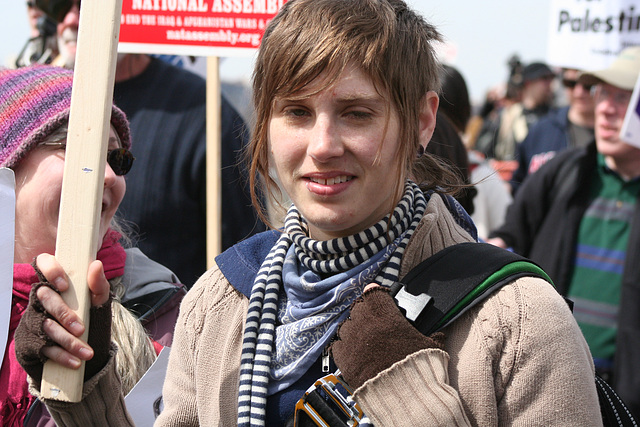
{"points": [[325, 258]]}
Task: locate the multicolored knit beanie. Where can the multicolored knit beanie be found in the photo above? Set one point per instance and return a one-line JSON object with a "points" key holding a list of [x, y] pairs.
{"points": [[35, 102]]}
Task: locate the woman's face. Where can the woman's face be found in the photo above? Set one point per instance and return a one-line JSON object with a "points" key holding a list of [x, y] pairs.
{"points": [[38, 187], [335, 154]]}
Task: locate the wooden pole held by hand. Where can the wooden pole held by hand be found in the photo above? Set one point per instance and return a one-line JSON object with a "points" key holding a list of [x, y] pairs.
{"points": [[78, 237], [214, 162]]}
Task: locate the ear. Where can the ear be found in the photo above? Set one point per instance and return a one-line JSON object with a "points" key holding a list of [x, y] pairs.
{"points": [[428, 111]]}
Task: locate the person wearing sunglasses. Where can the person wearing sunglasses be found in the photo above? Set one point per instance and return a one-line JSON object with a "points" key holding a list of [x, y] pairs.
{"points": [[570, 126], [34, 112], [578, 217]]}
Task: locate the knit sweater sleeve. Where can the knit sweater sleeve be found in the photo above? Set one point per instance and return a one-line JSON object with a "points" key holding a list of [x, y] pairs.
{"points": [[201, 385], [516, 359], [545, 373], [102, 402], [413, 391]]}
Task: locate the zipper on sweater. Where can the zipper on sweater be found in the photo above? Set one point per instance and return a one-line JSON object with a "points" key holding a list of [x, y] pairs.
{"points": [[325, 360]]}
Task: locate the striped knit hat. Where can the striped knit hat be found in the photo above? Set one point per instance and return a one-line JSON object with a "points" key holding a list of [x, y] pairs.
{"points": [[34, 102]]}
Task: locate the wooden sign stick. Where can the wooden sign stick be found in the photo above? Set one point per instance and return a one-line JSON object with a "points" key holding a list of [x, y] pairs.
{"points": [[83, 179], [213, 161]]}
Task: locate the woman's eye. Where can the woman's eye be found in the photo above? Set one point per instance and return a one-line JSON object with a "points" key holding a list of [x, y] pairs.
{"points": [[296, 112], [361, 115]]}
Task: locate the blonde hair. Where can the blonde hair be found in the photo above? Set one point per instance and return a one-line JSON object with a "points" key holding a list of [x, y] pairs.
{"points": [[135, 350]]}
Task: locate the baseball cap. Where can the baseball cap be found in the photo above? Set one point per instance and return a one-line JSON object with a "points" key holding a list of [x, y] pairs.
{"points": [[536, 70], [622, 73]]}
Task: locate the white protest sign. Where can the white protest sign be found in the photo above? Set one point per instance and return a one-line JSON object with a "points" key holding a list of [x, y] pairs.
{"points": [[144, 401], [7, 237], [630, 132], [589, 34]]}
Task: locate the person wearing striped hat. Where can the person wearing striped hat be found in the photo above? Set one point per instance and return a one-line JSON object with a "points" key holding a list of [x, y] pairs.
{"points": [[34, 113]]}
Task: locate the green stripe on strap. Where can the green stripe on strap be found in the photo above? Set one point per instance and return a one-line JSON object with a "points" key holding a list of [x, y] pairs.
{"points": [[521, 268]]}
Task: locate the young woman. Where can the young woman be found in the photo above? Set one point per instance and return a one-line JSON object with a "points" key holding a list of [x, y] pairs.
{"points": [[34, 111], [342, 116]]}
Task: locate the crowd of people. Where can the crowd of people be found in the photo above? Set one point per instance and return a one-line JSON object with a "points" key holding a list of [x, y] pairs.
{"points": [[384, 169]]}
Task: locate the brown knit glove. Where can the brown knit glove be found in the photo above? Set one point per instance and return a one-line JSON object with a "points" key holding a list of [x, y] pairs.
{"points": [[30, 337], [375, 336]]}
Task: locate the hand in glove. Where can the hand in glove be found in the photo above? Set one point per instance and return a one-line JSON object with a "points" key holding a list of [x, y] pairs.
{"points": [[49, 329], [375, 336]]}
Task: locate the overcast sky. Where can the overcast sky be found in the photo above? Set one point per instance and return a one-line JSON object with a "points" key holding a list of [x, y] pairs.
{"points": [[482, 34]]}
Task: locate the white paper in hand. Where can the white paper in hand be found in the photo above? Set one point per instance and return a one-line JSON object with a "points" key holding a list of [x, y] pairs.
{"points": [[144, 401], [7, 233], [630, 132]]}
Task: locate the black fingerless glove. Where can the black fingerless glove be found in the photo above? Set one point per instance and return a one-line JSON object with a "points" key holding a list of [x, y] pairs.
{"points": [[30, 338], [99, 338], [375, 336]]}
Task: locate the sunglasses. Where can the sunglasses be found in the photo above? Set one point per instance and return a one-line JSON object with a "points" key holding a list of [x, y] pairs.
{"points": [[570, 84], [55, 9], [120, 159]]}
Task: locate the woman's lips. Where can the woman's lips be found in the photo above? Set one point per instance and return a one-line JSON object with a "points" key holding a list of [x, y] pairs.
{"points": [[329, 185], [331, 181]]}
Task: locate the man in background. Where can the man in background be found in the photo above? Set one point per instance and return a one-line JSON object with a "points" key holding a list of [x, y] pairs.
{"points": [[42, 45], [578, 217], [500, 139], [571, 126]]}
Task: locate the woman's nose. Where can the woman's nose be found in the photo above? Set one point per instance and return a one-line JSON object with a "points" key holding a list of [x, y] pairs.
{"points": [[325, 140], [110, 176]]}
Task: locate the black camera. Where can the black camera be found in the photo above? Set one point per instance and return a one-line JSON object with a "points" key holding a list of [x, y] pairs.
{"points": [[56, 9]]}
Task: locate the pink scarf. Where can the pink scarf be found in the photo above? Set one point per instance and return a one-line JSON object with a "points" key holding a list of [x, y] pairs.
{"points": [[15, 399]]}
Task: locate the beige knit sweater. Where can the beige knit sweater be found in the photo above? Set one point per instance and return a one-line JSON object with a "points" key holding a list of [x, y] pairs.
{"points": [[517, 359]]}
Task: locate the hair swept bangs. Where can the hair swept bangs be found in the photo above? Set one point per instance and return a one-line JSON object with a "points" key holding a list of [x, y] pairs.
{"points": [[385, 38]]}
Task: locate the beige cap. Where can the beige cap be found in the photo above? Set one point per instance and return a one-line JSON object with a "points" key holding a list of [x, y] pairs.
{"points": [[622, 73]]}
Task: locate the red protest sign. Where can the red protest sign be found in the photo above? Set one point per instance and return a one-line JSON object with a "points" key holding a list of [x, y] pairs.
{"points": [[195, 27]]}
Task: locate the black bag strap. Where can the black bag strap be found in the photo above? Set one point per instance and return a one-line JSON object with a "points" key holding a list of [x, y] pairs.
{"points": [[614, 411], [444, 286], [457, 278]]}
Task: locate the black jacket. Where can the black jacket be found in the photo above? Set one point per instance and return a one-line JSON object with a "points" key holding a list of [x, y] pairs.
{"points": [[166, 188], [542, 224], [547, 137]]}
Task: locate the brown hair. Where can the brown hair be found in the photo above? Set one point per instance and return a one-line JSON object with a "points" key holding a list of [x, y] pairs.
{"points": [[385, 38]]}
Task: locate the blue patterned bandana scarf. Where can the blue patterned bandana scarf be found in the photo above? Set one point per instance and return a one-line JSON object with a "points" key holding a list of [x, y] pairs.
{"points": [[285, 332]]}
